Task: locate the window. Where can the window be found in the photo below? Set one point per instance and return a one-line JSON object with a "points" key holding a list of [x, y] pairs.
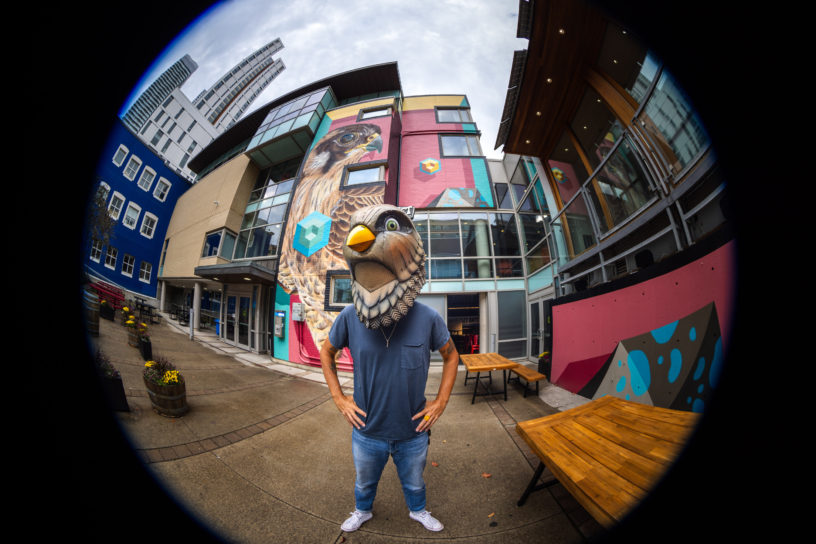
{"points": [[132, 215], [146, 179], [211, 243], [464, 145], [102, 191], [374, 112], [110, 257], [340, 290], [148, 225], [127, 265], [366, 174], [156, 138], [161, 190], [453, 115], [115, 206], [119, 156], [96, 251], [145, 271], [596, 128], [132, 167]]}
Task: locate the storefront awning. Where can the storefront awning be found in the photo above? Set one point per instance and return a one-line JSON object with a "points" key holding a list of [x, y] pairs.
{"points": [[240, 272]]}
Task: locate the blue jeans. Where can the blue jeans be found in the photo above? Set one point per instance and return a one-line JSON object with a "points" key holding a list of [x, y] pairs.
{"points": [[370, 457]]}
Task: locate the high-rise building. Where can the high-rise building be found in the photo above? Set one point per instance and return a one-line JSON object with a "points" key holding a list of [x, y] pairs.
{"points": [[151, 99], [177, 128]]}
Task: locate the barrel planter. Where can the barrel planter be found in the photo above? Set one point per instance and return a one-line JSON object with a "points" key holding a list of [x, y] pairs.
{"points": [[133, 337], [106, 311], [168, 400], [90, 302]]}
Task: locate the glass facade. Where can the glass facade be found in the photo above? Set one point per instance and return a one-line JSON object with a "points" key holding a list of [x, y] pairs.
{"points": [[303, 111]]}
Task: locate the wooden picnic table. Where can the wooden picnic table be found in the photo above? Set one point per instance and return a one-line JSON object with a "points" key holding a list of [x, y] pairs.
{"points": [[486, 362], [607, 453]]}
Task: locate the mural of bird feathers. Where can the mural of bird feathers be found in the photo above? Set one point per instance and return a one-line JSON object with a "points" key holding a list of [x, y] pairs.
{"points": [[319, 190]]}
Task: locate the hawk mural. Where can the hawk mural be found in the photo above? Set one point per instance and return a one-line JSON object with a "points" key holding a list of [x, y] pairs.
{"points": [[319, 191]]}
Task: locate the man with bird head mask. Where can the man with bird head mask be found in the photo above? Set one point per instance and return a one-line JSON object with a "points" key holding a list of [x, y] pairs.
{"points": [[390, 336]]}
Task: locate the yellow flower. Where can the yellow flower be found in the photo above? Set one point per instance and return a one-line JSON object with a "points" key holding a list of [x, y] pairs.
{"points": [[150, 363], [125, 309]]}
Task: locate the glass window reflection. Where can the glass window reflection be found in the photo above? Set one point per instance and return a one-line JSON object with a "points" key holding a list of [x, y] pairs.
{"points": [[596, 128], [567, 168]]}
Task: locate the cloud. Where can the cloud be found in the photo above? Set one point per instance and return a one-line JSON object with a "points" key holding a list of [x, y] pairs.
{"points": [[444, 47]]}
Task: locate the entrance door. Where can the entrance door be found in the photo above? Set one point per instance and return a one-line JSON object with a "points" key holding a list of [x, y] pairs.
{"points": [[540, 328], [237, 320]]}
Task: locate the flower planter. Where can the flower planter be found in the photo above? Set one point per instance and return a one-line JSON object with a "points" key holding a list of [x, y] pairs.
{"points": [[114, 392], [168, 400], [133, 337], [146, 348], [106, 312]]}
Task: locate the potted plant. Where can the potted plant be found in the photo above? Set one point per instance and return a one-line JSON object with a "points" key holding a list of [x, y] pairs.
{"points": [[166, 387], [126, 315], [544, 363], [111, 381], [106, 311], [145, 346], [132, 332]]}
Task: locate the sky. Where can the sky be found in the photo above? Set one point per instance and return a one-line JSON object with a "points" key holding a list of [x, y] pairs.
{"points": [[440, 46]]}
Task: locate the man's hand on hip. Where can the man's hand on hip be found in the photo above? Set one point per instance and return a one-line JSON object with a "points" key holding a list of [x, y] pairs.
{"points": [[350, 410]]}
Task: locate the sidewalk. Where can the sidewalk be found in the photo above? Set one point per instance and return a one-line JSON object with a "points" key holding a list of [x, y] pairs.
{"points": [[263, 455]]}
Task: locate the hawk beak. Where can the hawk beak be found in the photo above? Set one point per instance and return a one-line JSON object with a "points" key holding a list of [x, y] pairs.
{"points": [[360, 238], [374, 143]]}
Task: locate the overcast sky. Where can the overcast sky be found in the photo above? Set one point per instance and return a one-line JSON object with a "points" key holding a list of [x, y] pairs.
{"points": [[441, 47]]}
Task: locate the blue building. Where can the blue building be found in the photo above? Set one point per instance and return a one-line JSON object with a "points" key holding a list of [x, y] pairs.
{"points": [[139, 193]]}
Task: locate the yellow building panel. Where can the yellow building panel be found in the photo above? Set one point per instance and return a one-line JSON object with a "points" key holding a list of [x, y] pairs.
{"points": [[216, 201], [429, 102], [351, 110]]}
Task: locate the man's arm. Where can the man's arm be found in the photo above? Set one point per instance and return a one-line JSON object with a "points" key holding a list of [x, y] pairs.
{"points": [[344, 403], [434, 408]]}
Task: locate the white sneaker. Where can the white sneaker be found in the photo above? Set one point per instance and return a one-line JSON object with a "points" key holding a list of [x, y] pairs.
{"points": [[427, 520], [357, 518]]}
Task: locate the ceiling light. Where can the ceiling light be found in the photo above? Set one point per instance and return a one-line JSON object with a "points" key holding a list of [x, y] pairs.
{"points": [[561, 31], [538, 113], [549, 80], [526, 141], [248, 279]]}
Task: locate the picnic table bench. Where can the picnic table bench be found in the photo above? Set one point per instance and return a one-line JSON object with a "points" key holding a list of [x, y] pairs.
{"points": [[607, 453], [488, 362], [114, 295]]}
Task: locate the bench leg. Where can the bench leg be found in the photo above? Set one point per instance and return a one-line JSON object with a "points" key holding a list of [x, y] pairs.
{"points": [[532, 485], [475, 388], [504, 379]]}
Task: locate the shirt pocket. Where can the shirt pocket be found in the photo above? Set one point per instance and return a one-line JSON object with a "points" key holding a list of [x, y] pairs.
{"points": [[413, 356]]}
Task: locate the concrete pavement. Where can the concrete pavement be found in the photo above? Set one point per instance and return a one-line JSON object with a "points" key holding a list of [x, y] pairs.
{"points": [[263, 455]]}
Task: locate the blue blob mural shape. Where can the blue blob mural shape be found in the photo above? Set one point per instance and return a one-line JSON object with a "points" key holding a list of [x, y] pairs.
{"points": [[621, 384], [640, 372], [716, 364], [664, 333], [699, 370], [698, 406], [676, 366], [693, 334]]}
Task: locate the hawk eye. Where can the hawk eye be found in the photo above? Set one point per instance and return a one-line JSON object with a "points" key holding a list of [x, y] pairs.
{"points": [[391, 224], [346, 138]]}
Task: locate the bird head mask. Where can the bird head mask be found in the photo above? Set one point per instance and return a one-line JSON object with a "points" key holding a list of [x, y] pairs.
{"points": [[387, 263]]}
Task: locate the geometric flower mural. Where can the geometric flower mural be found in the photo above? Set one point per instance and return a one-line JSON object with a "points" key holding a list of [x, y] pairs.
{"points": [[674, 366]]}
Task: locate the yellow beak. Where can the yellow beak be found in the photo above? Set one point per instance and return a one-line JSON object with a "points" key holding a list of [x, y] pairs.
{"points": [[360, 238]]}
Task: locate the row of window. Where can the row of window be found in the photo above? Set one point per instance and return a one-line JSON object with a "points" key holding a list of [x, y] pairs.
{"points": [[130, 218], [128, 262], [145, 182]]}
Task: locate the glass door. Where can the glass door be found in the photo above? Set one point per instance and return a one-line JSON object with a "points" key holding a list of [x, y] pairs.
{"points": [[540, 328], [243, 321], [229, 331]]}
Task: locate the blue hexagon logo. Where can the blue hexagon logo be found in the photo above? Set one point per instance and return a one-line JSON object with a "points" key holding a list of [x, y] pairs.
{"points": [[312, 233]]}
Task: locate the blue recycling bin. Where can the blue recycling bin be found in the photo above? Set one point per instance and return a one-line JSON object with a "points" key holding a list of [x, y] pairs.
{"points": [[218, 327]]}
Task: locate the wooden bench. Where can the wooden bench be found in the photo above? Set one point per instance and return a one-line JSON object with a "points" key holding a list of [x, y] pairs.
{"points": [[113, 295], [607, 453], [529, 375]]}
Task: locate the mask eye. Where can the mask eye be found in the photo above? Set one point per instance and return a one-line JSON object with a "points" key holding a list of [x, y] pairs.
{"points": [[391, 224]]}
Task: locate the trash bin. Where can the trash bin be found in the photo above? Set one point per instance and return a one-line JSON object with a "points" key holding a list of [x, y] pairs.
{"points": [[218, 327]]}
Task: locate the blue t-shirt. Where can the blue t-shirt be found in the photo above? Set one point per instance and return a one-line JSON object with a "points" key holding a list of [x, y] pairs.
{"points": [[389, 383]]}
